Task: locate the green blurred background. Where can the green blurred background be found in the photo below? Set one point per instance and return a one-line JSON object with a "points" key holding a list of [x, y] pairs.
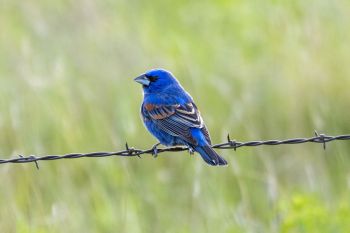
{"points": [[256, 69]]}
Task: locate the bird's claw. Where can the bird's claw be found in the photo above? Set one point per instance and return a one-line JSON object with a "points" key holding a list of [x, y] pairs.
{"points": [[155, 150]]}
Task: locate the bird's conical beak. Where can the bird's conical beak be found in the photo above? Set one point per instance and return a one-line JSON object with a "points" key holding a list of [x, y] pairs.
{"points": [[142, 79]]}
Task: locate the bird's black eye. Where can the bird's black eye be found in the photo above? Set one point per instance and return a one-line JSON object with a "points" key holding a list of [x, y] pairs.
{"points": [[151, 78]]}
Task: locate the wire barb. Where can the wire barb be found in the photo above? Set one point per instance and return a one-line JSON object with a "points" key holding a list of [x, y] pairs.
{"points": [[321, 137], [233, 143], [34, 160], [130, 151]]}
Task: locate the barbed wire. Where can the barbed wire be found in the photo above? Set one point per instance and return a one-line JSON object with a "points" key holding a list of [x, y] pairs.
{"points": [[130, 151]]}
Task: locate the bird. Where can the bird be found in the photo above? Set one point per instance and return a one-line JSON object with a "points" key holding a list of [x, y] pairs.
{"points": [[170, 115]]}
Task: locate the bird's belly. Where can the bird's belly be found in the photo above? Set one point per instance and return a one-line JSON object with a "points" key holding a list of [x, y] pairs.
{"points": [[163, 137]]}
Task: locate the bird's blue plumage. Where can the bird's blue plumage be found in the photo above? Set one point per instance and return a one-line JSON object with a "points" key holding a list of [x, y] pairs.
{"points": [[170, 115]]}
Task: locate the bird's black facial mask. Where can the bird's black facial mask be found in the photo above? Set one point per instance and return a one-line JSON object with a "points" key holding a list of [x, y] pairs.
{"points": [[151, 78]]}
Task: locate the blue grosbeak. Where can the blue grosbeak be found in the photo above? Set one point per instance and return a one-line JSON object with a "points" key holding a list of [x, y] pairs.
{"points": [[170, 114]]}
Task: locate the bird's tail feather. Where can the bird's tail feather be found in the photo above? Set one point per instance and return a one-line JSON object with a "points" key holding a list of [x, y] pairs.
{"points": [[210, 156]]}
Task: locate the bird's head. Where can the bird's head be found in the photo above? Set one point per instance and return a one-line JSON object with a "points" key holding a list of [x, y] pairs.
{"points": [[157, 80]]}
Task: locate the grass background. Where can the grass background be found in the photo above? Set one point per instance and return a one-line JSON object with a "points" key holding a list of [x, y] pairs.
{"points": [[256, 69]]}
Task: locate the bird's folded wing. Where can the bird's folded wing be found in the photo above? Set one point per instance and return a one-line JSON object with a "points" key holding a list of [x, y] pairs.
{"points": [[177, 120]]}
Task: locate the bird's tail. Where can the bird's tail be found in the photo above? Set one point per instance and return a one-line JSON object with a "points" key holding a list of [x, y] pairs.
{"points": [[210, 156]]}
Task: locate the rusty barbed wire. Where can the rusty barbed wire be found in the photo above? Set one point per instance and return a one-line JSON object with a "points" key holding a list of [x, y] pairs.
{"points": [[130, 151]]}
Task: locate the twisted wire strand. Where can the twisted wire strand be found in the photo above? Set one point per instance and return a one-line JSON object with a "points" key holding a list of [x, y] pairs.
{"points": [[130, 151]]}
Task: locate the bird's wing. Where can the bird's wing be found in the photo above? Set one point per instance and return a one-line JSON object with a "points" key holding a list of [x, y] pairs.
{"points": [[177, 120], [206, 134]]}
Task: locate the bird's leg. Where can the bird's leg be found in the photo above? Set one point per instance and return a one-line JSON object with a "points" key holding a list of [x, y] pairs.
{"points": [[155, 150], [190, 150]]}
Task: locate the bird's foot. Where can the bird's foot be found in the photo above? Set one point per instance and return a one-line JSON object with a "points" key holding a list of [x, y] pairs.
{"points": [[190, 150], [155, 150]]}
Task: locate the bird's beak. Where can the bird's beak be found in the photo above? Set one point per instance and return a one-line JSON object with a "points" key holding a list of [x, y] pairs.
{"points": [[142, 79]]}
